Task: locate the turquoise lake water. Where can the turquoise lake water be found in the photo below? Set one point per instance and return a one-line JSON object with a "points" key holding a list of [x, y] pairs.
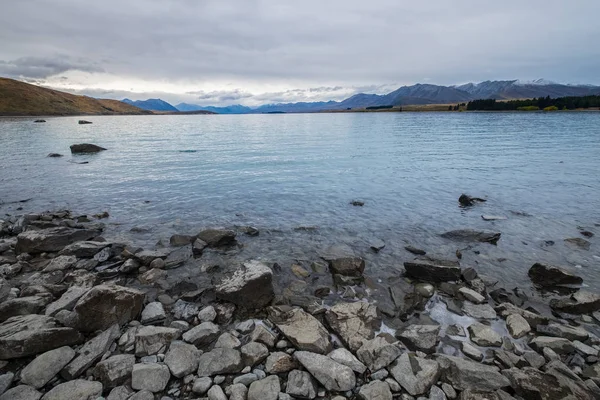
{"points": [[177, 174]]}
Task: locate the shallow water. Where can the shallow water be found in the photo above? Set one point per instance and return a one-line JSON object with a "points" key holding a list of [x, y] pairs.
{"points": [[177, 174]]}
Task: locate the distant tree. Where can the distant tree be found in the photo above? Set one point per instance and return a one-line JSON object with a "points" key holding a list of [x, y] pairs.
{"points": [[450, 108]]}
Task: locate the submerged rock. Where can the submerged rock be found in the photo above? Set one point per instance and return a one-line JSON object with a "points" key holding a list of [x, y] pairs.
{"points": [[51, 239], [547, 275], [84, 122], [217, 237], [54, 155], [578, 243], [86, 148], [582, 302], [470, 235], [466, 201], [250, 286], [433, 271], [347, 266]]}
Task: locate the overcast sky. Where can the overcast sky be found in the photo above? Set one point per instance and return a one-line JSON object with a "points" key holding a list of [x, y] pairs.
{"points": [[262, 51]]}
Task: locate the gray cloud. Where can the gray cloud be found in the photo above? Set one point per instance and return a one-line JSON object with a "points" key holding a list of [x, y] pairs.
{"points": [[228, 49]]}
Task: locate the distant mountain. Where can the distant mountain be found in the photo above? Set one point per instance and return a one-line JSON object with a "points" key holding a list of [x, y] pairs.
{"points": [[420, 94], [152, 104], [20, 98]]}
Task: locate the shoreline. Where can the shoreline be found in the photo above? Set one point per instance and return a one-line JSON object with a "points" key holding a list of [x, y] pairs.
{"points": [[175, 323]]}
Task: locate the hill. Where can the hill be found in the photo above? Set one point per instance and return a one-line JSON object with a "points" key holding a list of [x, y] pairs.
{"points": [[234, 109], [19, 98], [152, 105]]}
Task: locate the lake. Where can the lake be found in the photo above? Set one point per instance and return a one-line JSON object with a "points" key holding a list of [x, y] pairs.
{"points": [[293, 176]]}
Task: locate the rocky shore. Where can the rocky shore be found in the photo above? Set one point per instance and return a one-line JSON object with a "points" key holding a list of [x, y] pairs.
{"points": [[83, 317]]}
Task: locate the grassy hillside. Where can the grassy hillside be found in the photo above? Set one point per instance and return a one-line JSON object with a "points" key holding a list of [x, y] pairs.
{"points": [[19, 98]]}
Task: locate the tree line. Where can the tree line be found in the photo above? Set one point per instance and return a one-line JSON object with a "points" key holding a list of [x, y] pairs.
{"points": [[541, 103]]}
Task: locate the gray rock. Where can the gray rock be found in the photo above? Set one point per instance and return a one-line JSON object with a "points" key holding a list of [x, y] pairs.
{"points": [[51, 240], [265, 389], [152, 313], [245, 327], [483, 335], [45, 366], [198, 247], [533, 384], [90, 353], [376, 390], [332, 375], [471, 295], [250, 286], [105, 305], [245, 379], [115, 370], [431, 271], [182, 358], [67, 301], [254, 353], [21, 392], [129, 266], [23, 306], [151, 377], [227, 339], [279, 362], [207, 314], [85, 249], [471, 351], [378, 353], [584, 349], [517, 326], [436, 394], [201, 385], [180, 240], [479, 311], [217, 237], [145, 257], [5, 381], [237, 392], [581, 302], [348, 359], [120, 393], [354, 322], [533, 319], [464, 374], [216, 393], [420, 337], [4, 289], [547, 275], [154, 339], [178, 257], [302, 329], [263, 335], [347, 266], [563, 331], [27, 335], [61, 263], [534, 359], [578, 243], [203, 334], [220, 361], [78, 389], [415, 375], [301, 384], [449, 391], [142, 395], [469, 235], [558, 345], [184, 310]]}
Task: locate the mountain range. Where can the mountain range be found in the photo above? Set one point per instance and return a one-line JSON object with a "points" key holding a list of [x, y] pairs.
{"points": [[153, 105], [407, 95]]}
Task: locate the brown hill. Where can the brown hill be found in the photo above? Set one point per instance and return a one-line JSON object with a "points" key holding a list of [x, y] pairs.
{"points": [[19, 98]]}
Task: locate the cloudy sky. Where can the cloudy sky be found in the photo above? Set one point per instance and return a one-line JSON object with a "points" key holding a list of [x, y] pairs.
{"points": [[262, 51]]}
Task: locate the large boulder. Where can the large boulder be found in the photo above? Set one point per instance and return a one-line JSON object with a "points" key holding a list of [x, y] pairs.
{"points": [[531, 383], [182, 359], [470, 235], [217, 237], [84, 148], [378, 353], [415, 375], [332, 375], [90, 353], [302, 329], [85, 249], [432, 271], [78, 389], [581, 302], [265, 389], [547, 275], [354, 322], [250, 286], [45, 366], [105, 305], [27, 335], [51, 239], [21, 392], [464, 374], [152, 377], [115, 370], [23, 306], [420, 337], [301, 384], [376, 390], [220, 361]]}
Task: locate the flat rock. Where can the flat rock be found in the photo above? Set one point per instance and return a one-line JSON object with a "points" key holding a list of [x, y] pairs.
{"points": [[115, 370], [376, 390], [45, 366], [27, 335], [348, 359], [377, 353], [84, 249], [67, 301], [484, 336], [21, 392], [581, 302], [105, 305], [479, 311], [470, 235], [471, 295], [78, 389], [151, 377], [5, 381], [178, 257], [250, 286], [217, 237], [301, 384], [145, 257], [332, 375], [51, 239], [153, 312], [547, 276], [464, 374], [182, 358], [23, 306], [354, 322], [61, 263], [531, 383], [265, 389], [578, 243], [347, 266], [471, 351], [90, 353], [203, 334], [415, 375], [227, 339], [279, 362], [220, 361], [154, 339], [432, 271], [85, 147], [563, 331], [533, 319], [254, 353], [420, 337], [517, 326], [558, 345], [303, 330]]}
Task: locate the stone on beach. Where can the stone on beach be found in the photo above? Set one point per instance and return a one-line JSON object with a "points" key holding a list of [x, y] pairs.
{"points": [[78, 389], [433, 271], [377, 353], [354, 322], [347, 266], [517, 326], [45, 366], [220, 361], [420, 337], [115, 370], [251, 286], [547, 275], [265, 389], [483, 335], [51, 239], [302, 329], [332, 375], [154, 339], [151, 377], [581, 302], [415, 375], [182, 359], [90, 353], [21, 392], [464, 374], [217, 237]]}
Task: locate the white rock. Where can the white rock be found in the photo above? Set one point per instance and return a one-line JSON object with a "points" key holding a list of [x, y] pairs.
{"points": [[151, 377]]}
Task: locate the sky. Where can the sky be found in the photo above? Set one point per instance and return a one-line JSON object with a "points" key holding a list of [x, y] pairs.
{"points": [[256, 52]]}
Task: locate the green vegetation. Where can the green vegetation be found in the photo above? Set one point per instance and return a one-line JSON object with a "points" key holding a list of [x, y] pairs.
{"points": [[542, 103], [19, 98]]}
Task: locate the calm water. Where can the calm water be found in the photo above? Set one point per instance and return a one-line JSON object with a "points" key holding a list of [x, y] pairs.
{"points": [[167, 174]]}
